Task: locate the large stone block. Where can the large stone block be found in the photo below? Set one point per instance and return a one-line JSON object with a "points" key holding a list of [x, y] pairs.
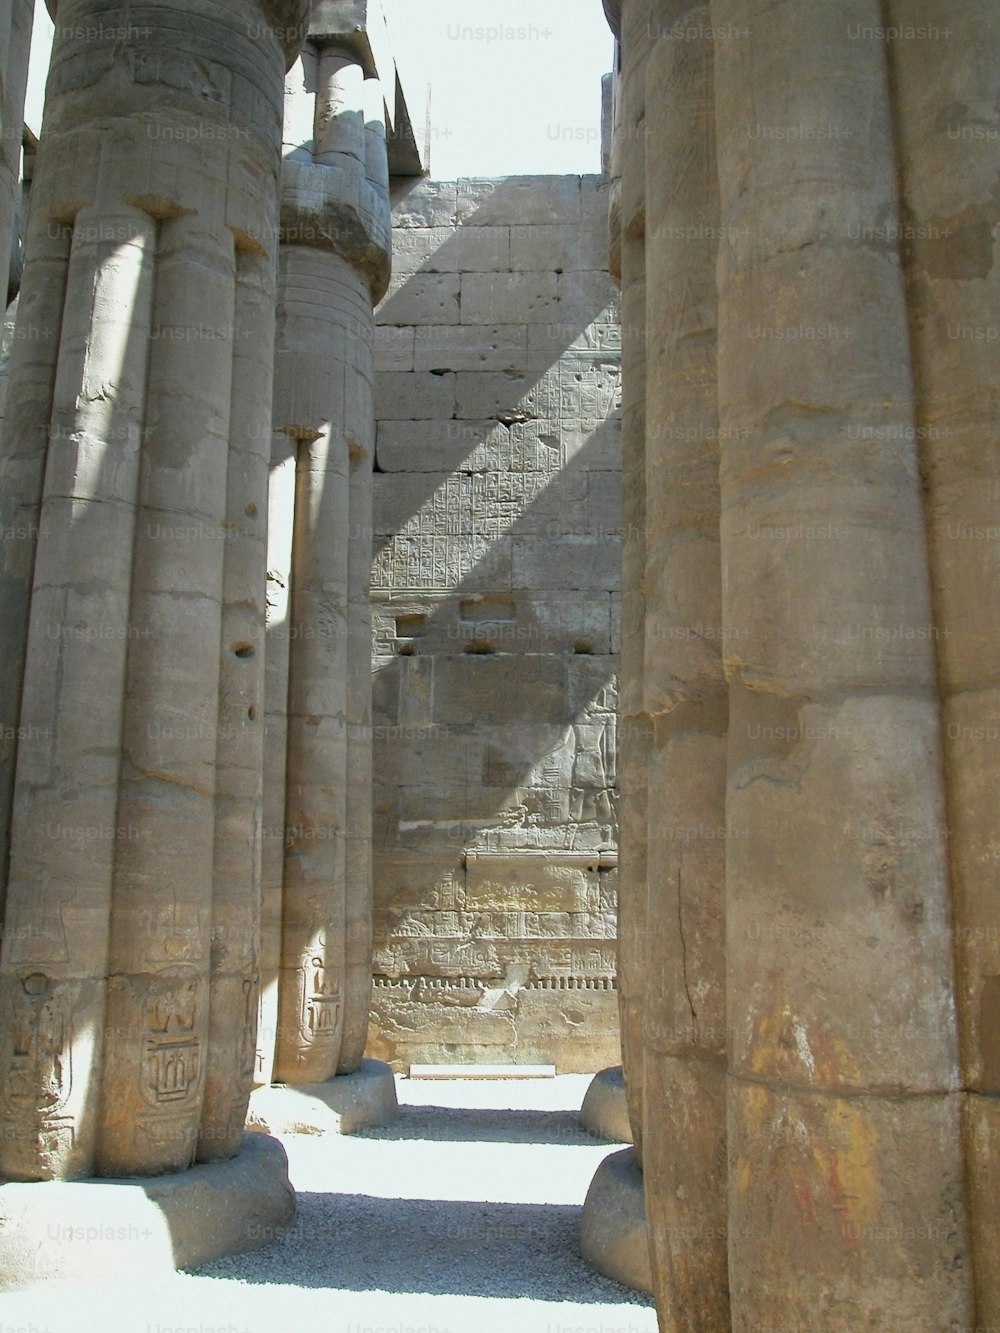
{"points": [[510, 298], [521, 199], [416, 397], [451, 250], [564, 247], [421, 298], [479, 347]]}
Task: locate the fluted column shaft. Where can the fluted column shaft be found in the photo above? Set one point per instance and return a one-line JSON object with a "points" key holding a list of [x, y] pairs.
{"points": [[684, 1132], [134, 616], [634, 732], [845, 1177], [947, 132], [333, 268]]}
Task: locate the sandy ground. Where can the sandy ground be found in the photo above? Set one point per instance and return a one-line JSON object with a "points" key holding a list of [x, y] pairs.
{"points": [[461, 1217]]}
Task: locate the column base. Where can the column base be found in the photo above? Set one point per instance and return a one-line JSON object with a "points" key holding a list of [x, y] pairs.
{"points": [[144, 1225], [341, 1105], [604, 1112], [613, 1237]]}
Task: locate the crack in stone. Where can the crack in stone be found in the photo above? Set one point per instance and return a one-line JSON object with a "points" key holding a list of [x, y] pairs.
{"points": [[680, 927]]}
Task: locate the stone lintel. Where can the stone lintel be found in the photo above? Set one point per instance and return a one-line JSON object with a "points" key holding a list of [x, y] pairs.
{"points": [[360, 27]]}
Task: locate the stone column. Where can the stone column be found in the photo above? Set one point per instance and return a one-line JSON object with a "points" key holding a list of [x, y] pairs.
{"points": [[333, 269], [684, 1131], [845, 1175], [613, 1233], [947, 134], [133, 456], [15, 43], [634, 731]]}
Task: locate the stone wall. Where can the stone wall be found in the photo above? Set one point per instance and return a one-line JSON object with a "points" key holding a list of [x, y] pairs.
{"points": [[496, 626]]}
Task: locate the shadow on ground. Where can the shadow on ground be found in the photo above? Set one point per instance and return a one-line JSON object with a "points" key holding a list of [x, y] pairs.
{"points": [[441, 1124], [354, 1242]]}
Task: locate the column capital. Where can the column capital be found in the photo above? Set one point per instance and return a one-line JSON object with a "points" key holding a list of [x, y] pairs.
{"points": [[289, 20], [334, 209]]}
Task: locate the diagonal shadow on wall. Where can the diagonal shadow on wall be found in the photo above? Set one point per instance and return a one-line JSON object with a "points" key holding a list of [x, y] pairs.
{"points": [[496, 577]]}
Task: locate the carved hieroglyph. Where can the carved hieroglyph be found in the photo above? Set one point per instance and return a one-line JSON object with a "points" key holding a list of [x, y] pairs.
{"points": [[133, 617]]}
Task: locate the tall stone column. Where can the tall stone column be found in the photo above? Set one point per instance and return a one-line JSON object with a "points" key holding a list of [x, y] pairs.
{"points": [[613, 1229], [684, 1013], [845, 1176], [15, 44], [947, 134], [333, 269], [134, 615], [634, 731]]}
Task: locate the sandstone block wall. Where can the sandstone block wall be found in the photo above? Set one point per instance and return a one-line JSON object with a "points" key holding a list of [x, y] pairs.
{"points": [[495, 593]]}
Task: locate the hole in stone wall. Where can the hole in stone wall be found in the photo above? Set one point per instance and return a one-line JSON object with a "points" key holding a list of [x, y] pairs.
{"points": [[479, 646], [583, 646], [406, 650], [244, 649], [411, 626], [439, 372], [252, 713]]}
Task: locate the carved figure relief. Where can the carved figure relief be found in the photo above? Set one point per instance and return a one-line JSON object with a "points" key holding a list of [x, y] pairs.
{"points": [[40, 1075]]}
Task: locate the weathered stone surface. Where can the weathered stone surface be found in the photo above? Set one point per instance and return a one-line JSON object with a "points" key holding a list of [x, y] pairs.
{"points": [[133, 456], [613, 1225], [318, 942], [946, 133]]}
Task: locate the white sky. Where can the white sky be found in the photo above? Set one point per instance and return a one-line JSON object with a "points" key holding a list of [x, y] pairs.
{"points": [[518, 94], [516, 84]]}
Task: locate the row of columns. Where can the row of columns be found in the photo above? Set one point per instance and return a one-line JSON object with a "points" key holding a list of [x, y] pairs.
{"points": [[143, 818], [809, 669]]}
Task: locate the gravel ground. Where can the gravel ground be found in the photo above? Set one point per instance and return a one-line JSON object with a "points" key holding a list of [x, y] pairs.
{"points": [[460, 1217]]}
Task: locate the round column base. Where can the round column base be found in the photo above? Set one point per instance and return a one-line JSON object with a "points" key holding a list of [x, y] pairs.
{"points": [[132, 1227], [613, 1237], [342, 1105], [604, 1112]]}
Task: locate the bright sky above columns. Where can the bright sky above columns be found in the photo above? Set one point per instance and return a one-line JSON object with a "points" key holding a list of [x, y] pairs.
{"points": [[516, 84]]}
